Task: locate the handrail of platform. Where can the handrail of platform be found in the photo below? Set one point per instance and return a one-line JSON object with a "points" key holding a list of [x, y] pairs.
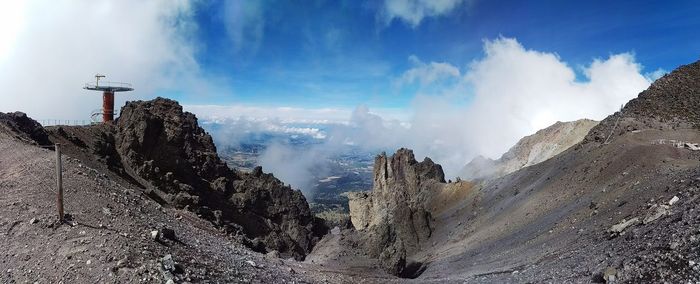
{"points": [[108, 84]]}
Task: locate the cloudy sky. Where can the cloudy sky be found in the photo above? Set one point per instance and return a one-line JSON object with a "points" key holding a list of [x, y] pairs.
{"points": [[472, 76]]}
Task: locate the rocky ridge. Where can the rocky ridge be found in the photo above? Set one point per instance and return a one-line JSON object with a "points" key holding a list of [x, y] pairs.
{"points": [[618, 206], [671, 102], [530, 150], [19, 125], [162, 149], [115, 233]]}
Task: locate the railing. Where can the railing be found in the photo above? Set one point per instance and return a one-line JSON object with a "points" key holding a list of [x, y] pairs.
{"points": [[70, 122], [108, 84]]}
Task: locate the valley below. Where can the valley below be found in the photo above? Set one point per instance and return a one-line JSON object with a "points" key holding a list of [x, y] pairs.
{"points": [[329, 178]]}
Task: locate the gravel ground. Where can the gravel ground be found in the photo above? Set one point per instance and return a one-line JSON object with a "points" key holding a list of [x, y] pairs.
{"points": [[108, 239]]}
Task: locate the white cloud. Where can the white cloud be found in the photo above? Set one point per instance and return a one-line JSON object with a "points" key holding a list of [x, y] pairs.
{"points": [[295, 167], [658, 73], [60, 45], [288, 115], [333, 130], [245, 23], [283, 114], [427, 73], [513, 92], [12, 21], [229, 131], [414, 11], [508, 93]]}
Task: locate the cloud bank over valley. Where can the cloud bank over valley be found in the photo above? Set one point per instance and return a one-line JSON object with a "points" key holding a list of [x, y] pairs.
{"points": [[482, 108]]}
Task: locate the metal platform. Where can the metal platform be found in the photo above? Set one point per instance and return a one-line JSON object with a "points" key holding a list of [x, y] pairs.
{"points": [[109, 87]]}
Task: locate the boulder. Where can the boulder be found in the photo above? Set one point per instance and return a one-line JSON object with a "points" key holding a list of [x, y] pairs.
{"points": [[360, 204], [619, 228], [655, 212]]}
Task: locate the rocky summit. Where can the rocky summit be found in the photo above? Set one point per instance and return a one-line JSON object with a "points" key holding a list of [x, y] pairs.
{"points": [[671, 102], [395, 216], [164, 150], [530, 150]]}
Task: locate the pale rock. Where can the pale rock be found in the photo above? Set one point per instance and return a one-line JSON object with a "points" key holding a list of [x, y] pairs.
{"points": [[673, 200], [620, 227], [655, 212]]}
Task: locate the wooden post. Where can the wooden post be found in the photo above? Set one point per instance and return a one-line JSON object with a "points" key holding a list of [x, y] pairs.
{"points": [[59, 182]]}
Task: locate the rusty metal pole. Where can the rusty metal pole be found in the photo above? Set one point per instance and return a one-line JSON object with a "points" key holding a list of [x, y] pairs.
{"points": [[107, 106], [59, 182]]}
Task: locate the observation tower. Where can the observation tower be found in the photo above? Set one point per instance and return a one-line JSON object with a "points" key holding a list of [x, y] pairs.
{"points": [[108, 89]]}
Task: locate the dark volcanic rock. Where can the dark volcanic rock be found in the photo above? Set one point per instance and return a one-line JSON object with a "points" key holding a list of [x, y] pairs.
{"points": [[277, 217], [164, 146], [25, 127], [400, 221], [165, 149], [155, 145]]}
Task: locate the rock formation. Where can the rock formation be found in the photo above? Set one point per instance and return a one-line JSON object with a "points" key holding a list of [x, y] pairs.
{"points": [[394, 217], [164, 150], [23, 127], [163, 146], [530, 150]]}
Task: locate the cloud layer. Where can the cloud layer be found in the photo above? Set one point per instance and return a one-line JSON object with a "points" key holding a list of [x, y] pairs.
{"points": [[66, 42], [512, 92], [427, 73], [459, 111], [412, 12], [481, 109]]}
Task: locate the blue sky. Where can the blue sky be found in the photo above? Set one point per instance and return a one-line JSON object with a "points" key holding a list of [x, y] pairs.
{"points": [[312, 54], [345, 53], [450, 79]]}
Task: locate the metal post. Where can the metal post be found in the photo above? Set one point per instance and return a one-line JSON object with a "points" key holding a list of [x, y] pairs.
{"points": [[59, 182]]}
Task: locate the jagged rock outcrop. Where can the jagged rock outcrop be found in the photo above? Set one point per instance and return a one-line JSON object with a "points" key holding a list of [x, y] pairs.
{"points": [[398, 222], [23, 127], [163, 149], [163, 146], [274, 214], [530, 150]]}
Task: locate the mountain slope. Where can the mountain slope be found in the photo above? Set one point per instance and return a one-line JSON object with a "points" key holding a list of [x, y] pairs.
{"points": [[530, 150], [108, 239], [624, 206], [108, 236]]}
